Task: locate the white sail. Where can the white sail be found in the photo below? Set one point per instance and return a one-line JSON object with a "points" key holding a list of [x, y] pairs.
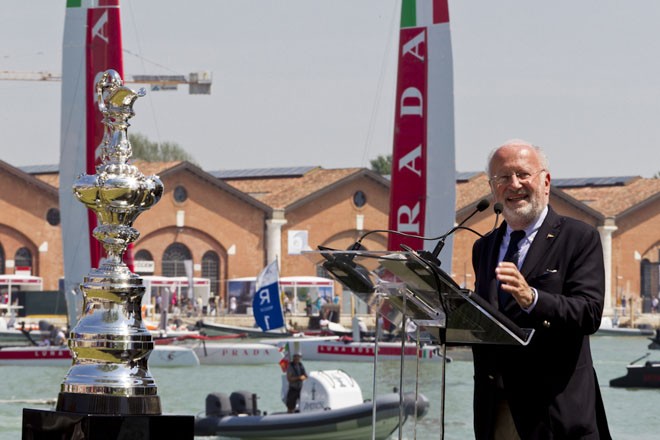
{"points": [[91, 44]]}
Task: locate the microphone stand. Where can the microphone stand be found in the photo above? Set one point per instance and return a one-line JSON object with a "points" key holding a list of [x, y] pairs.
{"points": [[433, 256]]}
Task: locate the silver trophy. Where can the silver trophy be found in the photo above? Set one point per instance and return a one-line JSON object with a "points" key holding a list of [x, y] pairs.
{"points": [[110, 344]]}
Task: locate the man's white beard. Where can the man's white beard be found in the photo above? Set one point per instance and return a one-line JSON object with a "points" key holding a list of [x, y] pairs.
{"points": [[523, 215]]}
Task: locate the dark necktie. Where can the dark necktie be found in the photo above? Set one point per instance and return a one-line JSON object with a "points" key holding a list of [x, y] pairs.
{"points": [[512, 255]]}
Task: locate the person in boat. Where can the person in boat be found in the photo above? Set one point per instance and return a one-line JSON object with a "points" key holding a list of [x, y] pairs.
{"points": [[55, 337], [552, 280], [295, 375]]}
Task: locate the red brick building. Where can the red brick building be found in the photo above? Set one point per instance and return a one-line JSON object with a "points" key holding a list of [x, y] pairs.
{"points": [[232, 223]]}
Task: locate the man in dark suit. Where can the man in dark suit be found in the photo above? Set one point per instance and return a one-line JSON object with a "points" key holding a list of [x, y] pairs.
{"points": [[552, 279]]}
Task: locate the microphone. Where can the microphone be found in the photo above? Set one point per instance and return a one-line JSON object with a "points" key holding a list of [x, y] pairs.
{"points": [[481, 206], [498, 208], [350, 274]]}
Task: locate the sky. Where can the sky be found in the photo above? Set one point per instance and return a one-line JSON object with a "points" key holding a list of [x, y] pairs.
{"points": [[311, 82]]}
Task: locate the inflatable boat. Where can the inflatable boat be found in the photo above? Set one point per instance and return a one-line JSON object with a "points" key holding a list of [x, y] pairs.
{"points": [[330, 408]]}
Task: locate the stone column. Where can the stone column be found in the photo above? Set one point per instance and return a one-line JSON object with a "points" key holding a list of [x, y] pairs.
{"points": [[274, 237], [606, 231]]}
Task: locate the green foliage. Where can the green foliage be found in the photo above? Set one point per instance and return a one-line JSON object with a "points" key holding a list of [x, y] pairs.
{"points": [[150, 151], [382, 164]]}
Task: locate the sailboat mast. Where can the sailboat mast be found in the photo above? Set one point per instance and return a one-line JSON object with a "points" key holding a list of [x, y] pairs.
{"points": [[422, 196]]}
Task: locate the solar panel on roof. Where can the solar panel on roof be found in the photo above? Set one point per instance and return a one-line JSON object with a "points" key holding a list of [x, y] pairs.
{"points": [[40, 169], [262, 172], [592, 181], [464, 176]]}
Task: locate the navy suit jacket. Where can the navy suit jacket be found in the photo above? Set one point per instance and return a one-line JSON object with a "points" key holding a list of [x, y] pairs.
{"points": [[550, 384]]}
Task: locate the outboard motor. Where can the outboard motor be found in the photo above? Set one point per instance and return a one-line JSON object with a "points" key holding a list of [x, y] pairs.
{"points": [[244, 402], [217, 405]]}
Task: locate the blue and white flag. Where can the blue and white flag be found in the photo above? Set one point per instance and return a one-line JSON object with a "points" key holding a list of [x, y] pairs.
{"points": [[266, 304]]}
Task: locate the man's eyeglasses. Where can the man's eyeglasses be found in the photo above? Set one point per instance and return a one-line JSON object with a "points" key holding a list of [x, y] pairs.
{"points": [[523, 177]]}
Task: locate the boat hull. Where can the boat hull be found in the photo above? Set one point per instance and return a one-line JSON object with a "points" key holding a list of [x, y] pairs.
{"points": [[619, 331], [224, 353], [341, 351], [350, 423], [639, 376], [161, 356], [15, 338]]}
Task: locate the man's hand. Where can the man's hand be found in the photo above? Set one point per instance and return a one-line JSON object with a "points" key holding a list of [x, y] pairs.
{"points": [[514, 283]]}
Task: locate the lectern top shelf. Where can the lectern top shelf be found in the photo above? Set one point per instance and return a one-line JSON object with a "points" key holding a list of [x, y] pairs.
{"points": [[423, 292]]}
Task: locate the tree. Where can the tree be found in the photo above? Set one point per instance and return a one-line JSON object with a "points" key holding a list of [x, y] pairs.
{"points": [[150, 151], [382, 164]]}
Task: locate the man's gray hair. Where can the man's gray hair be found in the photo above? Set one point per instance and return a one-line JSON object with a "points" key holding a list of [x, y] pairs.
{"points": [[545, 164]]}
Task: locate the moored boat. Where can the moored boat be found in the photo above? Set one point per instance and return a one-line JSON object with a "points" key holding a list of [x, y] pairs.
{"points": [[13, 333], [12, 337], [214, 329], [609, 328], [655, 340], [49, 355], [347, 350], [331, 408], [235, 353], [646, 375]]}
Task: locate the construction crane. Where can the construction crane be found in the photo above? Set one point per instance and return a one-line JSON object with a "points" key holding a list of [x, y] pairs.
{"points": [[199, 83]]}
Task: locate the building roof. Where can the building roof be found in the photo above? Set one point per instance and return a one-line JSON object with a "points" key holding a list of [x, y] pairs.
{"points": [[282, 192], [470, 188], [184, 166], [49, 174], [46, 187], [617, 198]]}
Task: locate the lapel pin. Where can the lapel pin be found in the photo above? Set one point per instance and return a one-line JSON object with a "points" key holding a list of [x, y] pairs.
{"points": [[550, 236]]}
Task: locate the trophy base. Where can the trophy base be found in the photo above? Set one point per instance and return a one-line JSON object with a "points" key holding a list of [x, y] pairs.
{"points": [[59, 425], [108, 404]]}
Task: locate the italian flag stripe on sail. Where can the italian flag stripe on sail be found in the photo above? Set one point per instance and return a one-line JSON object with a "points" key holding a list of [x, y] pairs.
{"points": [[416, 13], [422, 196]]}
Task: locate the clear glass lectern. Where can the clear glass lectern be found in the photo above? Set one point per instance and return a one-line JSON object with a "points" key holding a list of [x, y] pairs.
{"points": [[422, 292]]}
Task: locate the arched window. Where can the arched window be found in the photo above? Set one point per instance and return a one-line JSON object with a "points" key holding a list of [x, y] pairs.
{"points": [[649, 280], [173, 259], [23, 258], [143, 262], [143, 255], [211, 269]]}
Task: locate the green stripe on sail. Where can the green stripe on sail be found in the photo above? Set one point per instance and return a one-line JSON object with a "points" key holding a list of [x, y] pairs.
{"points": [[408, 13], [73, 3]]}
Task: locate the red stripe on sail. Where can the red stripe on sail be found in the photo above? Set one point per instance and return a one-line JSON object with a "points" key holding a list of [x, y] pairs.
{"points": [[408, 189], [103, 51], [440, 11]]}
